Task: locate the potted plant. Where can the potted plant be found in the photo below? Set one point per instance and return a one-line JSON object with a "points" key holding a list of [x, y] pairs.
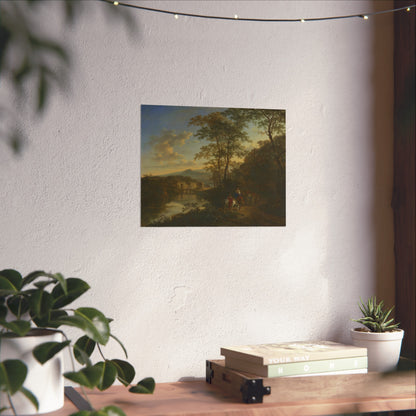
{"points": [[34, 310], [380, 335]]}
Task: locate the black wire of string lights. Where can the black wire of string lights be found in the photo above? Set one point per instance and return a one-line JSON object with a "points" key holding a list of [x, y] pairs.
{"points": [[364, 16]]}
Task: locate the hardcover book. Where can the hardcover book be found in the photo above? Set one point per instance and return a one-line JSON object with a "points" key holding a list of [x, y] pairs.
{"points": [[331, 373], [299, 368], [292, 352]]}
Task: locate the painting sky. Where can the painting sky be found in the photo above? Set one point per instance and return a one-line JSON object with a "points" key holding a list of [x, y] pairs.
{"points": [[168, 143]]}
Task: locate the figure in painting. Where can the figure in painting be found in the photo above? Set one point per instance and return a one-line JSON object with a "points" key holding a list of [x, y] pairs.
{"points": [[237, 196]]}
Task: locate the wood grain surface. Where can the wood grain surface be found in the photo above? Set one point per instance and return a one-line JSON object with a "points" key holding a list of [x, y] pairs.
{"points": [[300, 396]]}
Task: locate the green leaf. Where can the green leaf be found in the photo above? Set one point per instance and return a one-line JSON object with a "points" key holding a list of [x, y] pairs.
{"points": [[88, 376], [12, 375], [13, 276], [6, 287], [91, 321], [374, 317], [40, 304], [18, 305], [54, 277], [75, 321], [45, 351], [3, 312], [105, 411], [30, 396], [75, 288], [98, 328], [125, 371], [145, 386], [83, 413], [55, 316], [83, 349], [108, 374], [62, 281], [110, 411], [43, 284], [31, 277], [18, 327]]}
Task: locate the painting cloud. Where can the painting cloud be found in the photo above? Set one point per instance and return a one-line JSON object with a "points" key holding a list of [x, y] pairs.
{"points": [[166, 145]]}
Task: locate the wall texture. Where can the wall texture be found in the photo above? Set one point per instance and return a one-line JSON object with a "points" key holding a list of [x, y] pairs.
{"points": [[71, 202]]}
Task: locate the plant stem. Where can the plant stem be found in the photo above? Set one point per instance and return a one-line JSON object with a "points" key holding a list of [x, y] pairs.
{"points": [[19, 310], [11, 404], [101, 353], [73, 369]]}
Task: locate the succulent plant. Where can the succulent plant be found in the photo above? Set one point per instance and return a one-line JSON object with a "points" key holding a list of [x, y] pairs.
{"points": [[375, 318]]}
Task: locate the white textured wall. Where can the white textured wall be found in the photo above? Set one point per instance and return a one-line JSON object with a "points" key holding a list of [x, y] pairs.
{"points": [[71, 203]]}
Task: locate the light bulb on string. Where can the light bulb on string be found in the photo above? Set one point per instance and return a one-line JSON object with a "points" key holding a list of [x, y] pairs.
{"points": [[248, 19]]}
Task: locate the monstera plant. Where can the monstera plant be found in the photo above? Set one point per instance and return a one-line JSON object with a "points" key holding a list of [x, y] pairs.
{"points": [[39, 304]]}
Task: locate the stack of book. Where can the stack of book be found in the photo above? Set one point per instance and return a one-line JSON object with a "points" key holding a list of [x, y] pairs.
{"points": [[296, 359]]}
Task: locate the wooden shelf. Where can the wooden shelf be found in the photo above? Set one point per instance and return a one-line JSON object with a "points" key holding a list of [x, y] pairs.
{"points": [[298, 396]]}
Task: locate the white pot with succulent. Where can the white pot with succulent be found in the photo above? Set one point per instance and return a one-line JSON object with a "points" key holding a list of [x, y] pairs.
{"points": [[380, 335]]}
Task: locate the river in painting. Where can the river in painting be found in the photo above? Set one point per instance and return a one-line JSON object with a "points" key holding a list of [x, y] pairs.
{"points": [[181, 204]]}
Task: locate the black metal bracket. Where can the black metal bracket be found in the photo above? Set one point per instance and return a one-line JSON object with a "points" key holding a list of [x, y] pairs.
{"points": [[209, 372], [77, 399], [253, 391]]}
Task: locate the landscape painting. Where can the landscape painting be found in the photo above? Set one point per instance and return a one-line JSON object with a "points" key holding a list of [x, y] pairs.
{"points": [[209, 166]]}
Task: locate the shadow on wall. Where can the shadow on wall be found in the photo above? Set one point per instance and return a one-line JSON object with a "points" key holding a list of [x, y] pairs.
{"points": [[43, 62], [382, 143]]}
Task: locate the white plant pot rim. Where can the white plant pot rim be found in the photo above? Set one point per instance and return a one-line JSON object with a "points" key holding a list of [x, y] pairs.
{"points": [[34, 332], [396, 334]]}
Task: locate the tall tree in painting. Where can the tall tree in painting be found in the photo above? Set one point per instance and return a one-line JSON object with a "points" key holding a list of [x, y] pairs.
{"points": [[265, 168], [272, 124], [225, 135]]}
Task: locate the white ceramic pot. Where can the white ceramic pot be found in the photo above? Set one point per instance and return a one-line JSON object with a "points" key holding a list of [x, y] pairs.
{"points": [[383, 348], [44, 381]]}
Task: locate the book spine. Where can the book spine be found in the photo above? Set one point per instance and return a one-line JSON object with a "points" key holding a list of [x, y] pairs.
{"points": [[333, 373], [313, 367], [288, 369]]}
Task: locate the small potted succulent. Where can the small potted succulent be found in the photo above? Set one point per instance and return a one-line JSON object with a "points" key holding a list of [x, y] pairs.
{"points": [[34, 310], [380, 335]]}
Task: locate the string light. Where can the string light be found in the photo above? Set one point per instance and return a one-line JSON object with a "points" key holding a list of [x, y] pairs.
{"points": [[247, 19]]}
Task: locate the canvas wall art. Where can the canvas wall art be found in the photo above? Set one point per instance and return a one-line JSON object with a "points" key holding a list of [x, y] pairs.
{"points": [[208, 166]]}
